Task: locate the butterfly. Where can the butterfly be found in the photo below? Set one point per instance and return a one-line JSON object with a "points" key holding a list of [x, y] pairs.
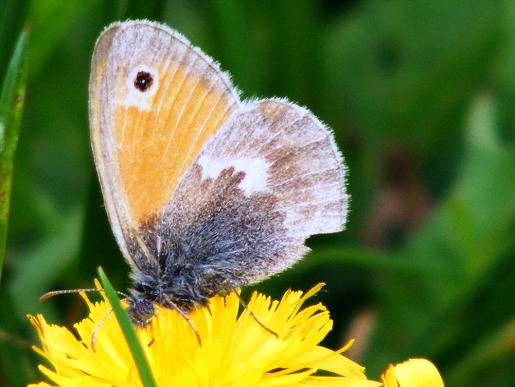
{"points": [[205, 193]]}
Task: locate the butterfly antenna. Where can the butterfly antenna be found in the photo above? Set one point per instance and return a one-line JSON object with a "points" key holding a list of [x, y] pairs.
{"points": [[53, 293], [261, 324]]}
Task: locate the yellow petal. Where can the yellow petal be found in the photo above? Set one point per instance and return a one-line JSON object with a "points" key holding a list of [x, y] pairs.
{"points": [[235, 349], [412, 373]]}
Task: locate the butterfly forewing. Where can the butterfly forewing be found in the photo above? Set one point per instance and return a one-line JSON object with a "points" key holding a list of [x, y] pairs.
{"points": [[154, 102]]}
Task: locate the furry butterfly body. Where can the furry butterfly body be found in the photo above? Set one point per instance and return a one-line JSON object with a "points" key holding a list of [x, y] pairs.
{"points": [[205, 193]]}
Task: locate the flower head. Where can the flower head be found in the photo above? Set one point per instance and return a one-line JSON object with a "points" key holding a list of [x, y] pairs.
{"points": [[412, 373], [234, 350]]}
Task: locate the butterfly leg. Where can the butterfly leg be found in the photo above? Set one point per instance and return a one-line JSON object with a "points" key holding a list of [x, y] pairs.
{"points": [[185, 317], [261, 324]]}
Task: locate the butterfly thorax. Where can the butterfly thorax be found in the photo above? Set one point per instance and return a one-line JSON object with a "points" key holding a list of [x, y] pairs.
{"points": [[184, 289]]}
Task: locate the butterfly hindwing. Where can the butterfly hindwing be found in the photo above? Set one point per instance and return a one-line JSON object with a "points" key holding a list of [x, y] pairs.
{"points": [[154, 102], [270, 178]]}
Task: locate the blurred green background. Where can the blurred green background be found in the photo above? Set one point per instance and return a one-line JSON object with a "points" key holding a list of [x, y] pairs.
{"points": [[421, 97]]}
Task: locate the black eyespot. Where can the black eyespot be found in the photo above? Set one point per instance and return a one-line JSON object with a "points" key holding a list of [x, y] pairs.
{"points": [[143, 81]]}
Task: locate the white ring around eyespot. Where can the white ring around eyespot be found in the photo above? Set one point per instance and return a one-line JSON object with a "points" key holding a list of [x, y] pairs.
{"points": [[136, 97]]}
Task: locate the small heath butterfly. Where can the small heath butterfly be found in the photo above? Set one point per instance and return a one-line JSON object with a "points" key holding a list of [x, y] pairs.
{"points": [[205, 193]]}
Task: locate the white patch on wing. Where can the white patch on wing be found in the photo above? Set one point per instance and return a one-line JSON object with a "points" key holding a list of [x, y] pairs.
{"points": [[255, 169], [136, 97]]}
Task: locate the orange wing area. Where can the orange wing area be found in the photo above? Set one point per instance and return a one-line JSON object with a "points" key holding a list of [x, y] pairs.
{"points": [[143, 140], [156, 146]]}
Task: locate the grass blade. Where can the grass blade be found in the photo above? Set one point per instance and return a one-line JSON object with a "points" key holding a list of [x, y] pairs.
{"points": [[128, 331], [11, 105]]}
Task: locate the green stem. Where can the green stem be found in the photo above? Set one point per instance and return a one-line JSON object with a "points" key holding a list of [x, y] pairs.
{"points": [[12, 98], [128, 331]]}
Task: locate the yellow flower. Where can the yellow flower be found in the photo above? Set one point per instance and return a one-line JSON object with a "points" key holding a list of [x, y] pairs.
{"points": [[234, 349], [412, 373]]}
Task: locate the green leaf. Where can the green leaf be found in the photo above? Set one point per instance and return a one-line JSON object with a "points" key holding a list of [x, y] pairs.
{"points": [[11, 106], [467, 238], [128, 331], [133, 9], [51, 21], [44, 261], [13, 15], [233, 43], [491, 348]]}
